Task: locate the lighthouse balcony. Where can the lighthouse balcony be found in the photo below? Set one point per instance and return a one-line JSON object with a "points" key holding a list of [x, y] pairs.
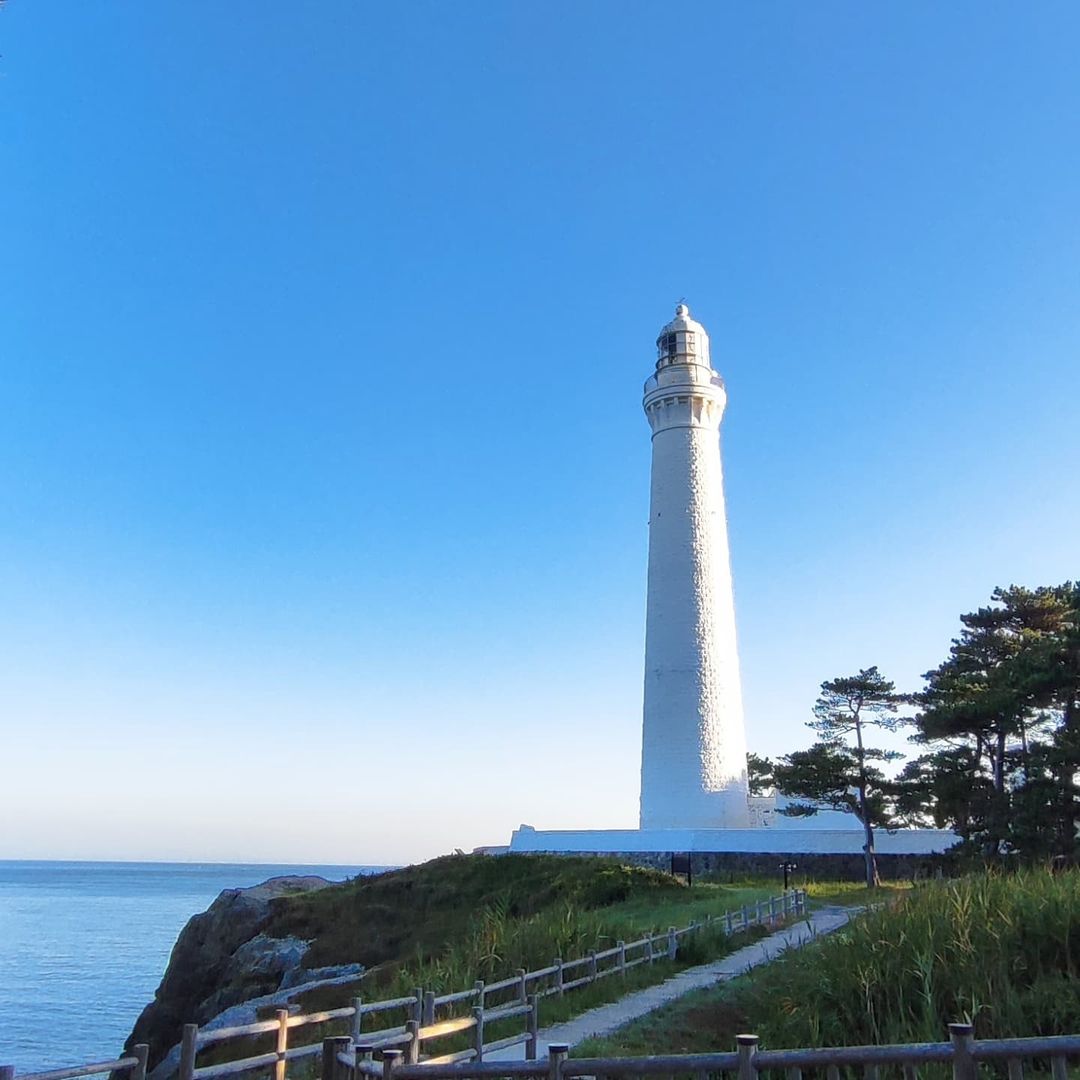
{"points": [[688, 377]]}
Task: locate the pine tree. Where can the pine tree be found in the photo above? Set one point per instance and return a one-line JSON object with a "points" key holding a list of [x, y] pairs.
{"points": [[839, 771], [1004, 705], [759, 774]]}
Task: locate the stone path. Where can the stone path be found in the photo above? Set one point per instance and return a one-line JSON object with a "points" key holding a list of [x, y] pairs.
{"points": [[605, 1019]]}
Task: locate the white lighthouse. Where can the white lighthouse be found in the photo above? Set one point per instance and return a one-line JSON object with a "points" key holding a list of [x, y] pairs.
{"points": [[694, 795], [693, 757]]}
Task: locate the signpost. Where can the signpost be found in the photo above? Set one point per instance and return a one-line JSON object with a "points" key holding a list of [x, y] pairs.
{"points": [[788, 868]]}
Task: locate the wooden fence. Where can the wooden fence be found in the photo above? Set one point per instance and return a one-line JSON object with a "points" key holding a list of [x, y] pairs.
{"points": [[134, 1066], [489, 1003], [963, 1052]]}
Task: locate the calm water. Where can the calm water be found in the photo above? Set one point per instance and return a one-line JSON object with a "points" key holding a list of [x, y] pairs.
{"points": [[83, 947]]}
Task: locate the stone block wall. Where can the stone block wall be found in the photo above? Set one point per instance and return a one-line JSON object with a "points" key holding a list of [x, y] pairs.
{"points": [[739, 866]]}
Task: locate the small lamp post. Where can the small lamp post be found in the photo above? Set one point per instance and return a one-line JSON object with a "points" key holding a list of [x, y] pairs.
{"points": [[788, 868]]}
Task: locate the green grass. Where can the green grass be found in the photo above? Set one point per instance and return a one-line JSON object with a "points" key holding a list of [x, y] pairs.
{"points": [[706, 944], [1000, 951], [709, 943], [445, 924], [851, 893], [644, 913], [700, 1022], [418, 910]]}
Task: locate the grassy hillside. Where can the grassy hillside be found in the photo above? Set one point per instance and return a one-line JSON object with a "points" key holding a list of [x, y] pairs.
{"points": [[1000, 951], [446, 923], [443, 924]]}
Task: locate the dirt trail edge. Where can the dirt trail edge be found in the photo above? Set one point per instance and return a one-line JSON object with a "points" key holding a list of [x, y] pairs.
{"points": [[605, 1019]]}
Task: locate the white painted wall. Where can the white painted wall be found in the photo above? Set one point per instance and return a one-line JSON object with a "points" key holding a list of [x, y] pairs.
{"points": [[751, 841]]}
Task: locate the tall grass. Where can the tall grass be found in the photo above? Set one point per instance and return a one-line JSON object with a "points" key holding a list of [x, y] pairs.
{"points": [[499, 938], [498, 941], [1000, 951], [589, 908]]}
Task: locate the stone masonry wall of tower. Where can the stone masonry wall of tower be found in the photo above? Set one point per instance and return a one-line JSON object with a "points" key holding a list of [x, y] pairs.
{"points": [[693, 766]]}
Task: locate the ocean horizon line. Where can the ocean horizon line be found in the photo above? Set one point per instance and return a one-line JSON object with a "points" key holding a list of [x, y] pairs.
{"points": [[202, 862]]}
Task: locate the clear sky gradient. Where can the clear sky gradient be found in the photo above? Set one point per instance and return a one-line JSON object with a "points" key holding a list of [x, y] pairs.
{"points": [[323, 471]]}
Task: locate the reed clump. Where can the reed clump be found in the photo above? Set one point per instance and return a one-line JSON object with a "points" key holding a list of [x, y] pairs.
{"points": [[1001, 951]]}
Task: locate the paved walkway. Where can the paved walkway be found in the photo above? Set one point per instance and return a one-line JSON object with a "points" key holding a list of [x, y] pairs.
{"points": [[605, 1019]]}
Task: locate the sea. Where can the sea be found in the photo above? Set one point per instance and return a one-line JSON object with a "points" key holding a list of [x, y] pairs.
{"points": [[83, 946]]}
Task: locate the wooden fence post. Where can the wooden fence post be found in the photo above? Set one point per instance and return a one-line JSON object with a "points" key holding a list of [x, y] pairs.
{"points": [[772, 909], [428, 1016], [757, 911], [281, 1042], [412, 1050], [342, 1045], [745, 917], [391, 1059], [7, 1072], [592, 966], [188, 1048], [329, 1066], [480, 992], [357, 1018], [747, 1046], [672, 943], [727, 923], [649, 950], [533, 1027], [417, 1009], [478, 1033], [621, 946], [557, 1053], [141, 1053], [523, 996], [557, 963], [963, 1039]]}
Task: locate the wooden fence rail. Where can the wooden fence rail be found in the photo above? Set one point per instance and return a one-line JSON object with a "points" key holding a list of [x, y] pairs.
{"points": [[134, 1065], [520, 993], [963, 1052]]}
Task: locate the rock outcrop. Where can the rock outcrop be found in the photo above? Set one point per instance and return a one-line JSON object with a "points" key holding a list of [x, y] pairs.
{"points": [[221, 959], [296, 982]]}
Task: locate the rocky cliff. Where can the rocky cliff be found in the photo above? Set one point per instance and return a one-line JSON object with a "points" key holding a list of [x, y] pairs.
{"points": [[301, 942], [223, 958]]}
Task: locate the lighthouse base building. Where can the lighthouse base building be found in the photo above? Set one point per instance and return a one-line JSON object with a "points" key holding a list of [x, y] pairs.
{"points": [[694, 793]]}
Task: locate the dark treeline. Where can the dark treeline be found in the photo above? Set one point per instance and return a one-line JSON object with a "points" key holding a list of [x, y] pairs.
{"points": [[996, 730]]}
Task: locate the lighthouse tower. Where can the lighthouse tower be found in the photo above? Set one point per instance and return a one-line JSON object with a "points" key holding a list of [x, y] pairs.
{"points": [[693, 758]]}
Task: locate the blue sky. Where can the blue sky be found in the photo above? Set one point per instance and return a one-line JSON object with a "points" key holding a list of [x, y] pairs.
{"points": [[323, 472]]}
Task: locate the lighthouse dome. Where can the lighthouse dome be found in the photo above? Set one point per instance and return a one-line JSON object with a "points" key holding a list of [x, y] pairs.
{"points": [[683, 341]]}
